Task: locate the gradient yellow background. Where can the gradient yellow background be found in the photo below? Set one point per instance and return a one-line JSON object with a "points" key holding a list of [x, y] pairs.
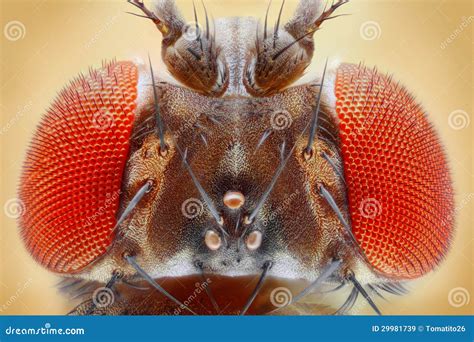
{"points": [[62, 38]]}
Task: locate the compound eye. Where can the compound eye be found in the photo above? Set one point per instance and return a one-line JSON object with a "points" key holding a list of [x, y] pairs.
{"points": [[399, 188], [254, 240], [72, 179], [213, 240]]}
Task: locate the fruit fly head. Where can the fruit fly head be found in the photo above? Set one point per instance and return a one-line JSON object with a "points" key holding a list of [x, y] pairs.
{"points": [[233, 178]]}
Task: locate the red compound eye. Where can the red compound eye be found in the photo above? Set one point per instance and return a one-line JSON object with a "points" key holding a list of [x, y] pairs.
{"points": [[73, 170], [399, 188]]}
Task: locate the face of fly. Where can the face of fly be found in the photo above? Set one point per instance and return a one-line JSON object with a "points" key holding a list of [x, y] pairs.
{"points": [[234, 195]]}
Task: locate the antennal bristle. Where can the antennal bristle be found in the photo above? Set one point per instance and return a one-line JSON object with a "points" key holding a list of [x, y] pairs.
{"points": [[159, 122], [277, 26], [258, 287], [314, 120]]}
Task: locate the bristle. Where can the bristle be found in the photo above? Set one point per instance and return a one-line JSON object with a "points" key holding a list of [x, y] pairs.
{"points": [[326, 272], [282, 50], [159, 121], [314, 119], [266, 21], [110, 284], [207, 19], [332, 203], [201, 190], [269, 189], [258, 287], [153, 283], [336, 169], [364, 293], [134, 202], [348, 303], [209, 293], [264, 137], [277, 26]]}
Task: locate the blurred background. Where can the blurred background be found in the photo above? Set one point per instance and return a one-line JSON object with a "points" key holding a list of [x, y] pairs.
{"points": [[427, 45]]}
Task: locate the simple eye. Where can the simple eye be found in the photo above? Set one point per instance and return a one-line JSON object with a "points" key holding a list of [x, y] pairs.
{"points": [[234, 199], [254, 240], [213, 240]]}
